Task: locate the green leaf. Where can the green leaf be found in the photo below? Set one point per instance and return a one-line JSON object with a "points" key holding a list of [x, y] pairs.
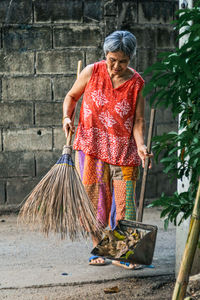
{"points": [[156, 66], [148, 88], [175, 84], [166, 223]]}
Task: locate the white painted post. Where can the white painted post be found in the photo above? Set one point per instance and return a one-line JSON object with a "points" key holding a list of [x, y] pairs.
{"points": [[182, 230]]}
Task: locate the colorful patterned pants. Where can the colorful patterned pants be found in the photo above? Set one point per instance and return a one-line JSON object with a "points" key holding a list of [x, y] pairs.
{"points": [[110, 188]]}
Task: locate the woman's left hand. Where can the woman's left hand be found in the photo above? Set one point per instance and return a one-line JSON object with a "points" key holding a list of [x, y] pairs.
{"points": [[143, 154]]}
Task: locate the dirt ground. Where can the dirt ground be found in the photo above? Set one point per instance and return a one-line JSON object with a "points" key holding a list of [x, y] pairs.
{"points": [[157, 288], [152, 288], [147, 288]]}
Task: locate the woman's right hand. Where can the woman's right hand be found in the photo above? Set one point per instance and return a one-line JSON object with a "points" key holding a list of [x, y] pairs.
{"points": [[68, 125], [143, 154]]}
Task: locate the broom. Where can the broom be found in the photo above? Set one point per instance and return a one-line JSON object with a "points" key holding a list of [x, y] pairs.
{"points": [[59, 202]]}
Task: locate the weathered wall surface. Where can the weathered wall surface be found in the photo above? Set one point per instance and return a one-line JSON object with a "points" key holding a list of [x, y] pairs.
{"points": [[41, 42]]}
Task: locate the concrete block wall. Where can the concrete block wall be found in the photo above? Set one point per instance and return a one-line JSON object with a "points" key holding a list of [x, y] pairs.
{"points": [[40, 44]]}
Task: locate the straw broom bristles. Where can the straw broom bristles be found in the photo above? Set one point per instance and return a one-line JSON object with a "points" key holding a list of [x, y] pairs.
{"points": [[59, 202]]}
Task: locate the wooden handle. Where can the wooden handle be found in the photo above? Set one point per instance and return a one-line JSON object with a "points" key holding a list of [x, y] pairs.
{"points": [[146, 167], [79, 68], [78, 73], [150, 133], [69, 136]]}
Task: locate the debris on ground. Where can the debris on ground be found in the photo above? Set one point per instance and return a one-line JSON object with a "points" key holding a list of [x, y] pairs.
{"points": [[193, 288], [118, 243], [112, 290], [150, 288]]}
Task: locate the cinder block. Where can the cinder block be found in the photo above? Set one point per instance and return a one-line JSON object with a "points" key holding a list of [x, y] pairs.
{"points": [[147, 112], [18, 189], [58, 11], [127, 13], [45, 160], [48, 114], [59, 138], [2, 192], [110, 8], [62, 85], [165, 185], [92, 11], [16, 12], [150, 186], [27, 38], [155, 12], [16, 63], [133, 63], [77, 36], [78, 107], [165, 37], [94, 55], [145, 35], [176, 7], [110, 25], [1, 140], [26, 88], [15, 115], [58, 62], [157, 167], [30, 139], [164, 115], [17, 164], [1, 38], [165, 128], [145, 58], [147, 129]]}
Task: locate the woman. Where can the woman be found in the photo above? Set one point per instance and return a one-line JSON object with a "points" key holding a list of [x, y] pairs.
{"points": [[110, 134]]}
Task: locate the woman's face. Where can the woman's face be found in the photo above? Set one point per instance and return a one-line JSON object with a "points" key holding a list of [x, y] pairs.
{"points": [[117, 63]]}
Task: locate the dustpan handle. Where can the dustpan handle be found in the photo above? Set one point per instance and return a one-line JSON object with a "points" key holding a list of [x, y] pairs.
{"points": [[146, 167], [69, 136]]}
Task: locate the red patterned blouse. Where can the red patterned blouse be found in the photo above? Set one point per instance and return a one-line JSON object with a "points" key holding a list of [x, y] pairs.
{"points": [[105, 128]]}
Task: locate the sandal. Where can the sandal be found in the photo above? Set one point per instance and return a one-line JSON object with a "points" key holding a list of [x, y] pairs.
{"points": [[94, 257], [126, 265]]}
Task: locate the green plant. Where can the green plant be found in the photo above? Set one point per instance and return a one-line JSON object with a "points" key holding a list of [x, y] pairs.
{"points": [[175, 83]]}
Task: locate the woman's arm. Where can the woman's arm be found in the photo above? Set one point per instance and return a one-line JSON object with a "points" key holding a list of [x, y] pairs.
{"points": [[73, 96], [139, 129]]}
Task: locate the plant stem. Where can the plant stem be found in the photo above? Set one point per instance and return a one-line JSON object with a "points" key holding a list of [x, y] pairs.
{"points": [[189, 252]]}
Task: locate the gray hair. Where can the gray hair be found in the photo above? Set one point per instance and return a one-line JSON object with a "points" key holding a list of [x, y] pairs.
{"points": [[120, 41]]}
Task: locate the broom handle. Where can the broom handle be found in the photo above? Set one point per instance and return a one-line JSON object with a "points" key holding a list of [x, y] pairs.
{"points": [[69, 136], [146, 167]]}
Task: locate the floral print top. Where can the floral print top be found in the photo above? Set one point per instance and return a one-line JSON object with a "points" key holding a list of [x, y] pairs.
{"points": [[105, 128]]}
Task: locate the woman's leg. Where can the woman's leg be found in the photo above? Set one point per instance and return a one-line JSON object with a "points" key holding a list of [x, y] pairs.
{"points": [[123, 199], [94, 174], [123, 194]]}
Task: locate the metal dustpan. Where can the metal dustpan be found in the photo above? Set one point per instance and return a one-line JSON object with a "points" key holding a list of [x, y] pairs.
{"points": [[143, 249], [141, 253]]}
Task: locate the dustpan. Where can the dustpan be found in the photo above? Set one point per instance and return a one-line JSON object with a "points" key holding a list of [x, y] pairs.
{"points": [[143, 250], [142, 253]]}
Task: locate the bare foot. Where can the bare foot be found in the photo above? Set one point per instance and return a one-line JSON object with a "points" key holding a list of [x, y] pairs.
{"points": [[96, 260], [126, 265]]}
